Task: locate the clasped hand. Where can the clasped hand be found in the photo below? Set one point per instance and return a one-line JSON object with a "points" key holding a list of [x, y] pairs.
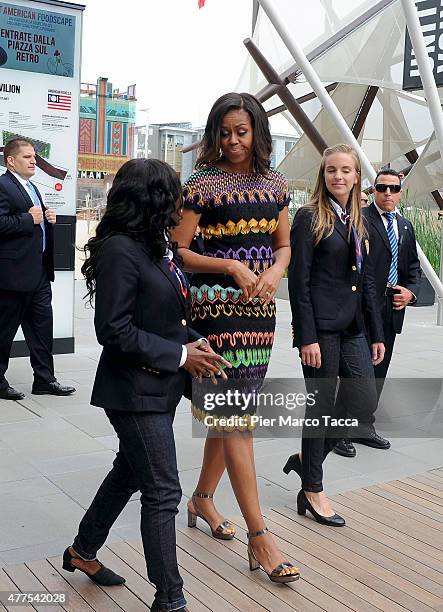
{"points": [[202, 361], [37, 215], [263, 286], [402, 299], [51, 216]]}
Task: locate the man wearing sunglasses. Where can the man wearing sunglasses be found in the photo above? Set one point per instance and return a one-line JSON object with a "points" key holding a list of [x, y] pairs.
{"points": [[397, 271]]}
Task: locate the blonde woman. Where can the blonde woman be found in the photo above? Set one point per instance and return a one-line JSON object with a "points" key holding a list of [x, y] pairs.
{"points": [[332, 293]]}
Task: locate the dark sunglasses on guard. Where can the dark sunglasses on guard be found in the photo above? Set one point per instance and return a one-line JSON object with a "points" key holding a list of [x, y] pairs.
{"points": [[381, 188]]}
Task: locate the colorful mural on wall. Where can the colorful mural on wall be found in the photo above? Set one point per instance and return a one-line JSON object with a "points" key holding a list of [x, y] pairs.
{"points": [[107, 119]]}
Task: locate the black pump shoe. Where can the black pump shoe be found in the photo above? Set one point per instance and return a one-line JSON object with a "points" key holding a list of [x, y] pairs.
{"points": [[304, 504], [293, 463], [104, 576]]}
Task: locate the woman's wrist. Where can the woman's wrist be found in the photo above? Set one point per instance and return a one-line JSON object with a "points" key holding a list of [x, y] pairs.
{"points": [[231, 264], [278, 268]]}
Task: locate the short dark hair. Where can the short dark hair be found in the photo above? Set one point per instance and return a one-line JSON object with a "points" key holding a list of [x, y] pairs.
{"points": [[388, 172], [210, 147], [12, 147]]}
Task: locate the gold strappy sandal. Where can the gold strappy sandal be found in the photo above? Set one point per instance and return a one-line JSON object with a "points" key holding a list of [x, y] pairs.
{"points": [[225, 531], [277, 574]]}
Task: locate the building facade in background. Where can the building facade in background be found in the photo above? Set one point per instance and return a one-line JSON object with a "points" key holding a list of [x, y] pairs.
{"points": [[281, 145], [106, 139], [167, 140]]}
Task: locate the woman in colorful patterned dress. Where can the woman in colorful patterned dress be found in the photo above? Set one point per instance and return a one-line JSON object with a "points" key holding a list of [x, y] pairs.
{"points": [[240, 206]]}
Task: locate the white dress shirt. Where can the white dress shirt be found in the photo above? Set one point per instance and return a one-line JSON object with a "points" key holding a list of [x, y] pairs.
{"points": [[338, 209], [385, 221], [24, 183], [32, 193], [395, 226]]}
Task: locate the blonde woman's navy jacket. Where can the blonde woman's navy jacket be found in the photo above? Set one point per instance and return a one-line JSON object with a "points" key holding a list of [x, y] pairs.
{"points": [[327, 292]]}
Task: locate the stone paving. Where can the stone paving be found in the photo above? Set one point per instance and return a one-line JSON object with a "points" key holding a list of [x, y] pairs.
{"points": [[54, 452]]}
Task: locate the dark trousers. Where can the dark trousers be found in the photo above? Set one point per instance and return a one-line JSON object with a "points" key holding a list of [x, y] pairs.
{"points": [[348, 357], [381, 369], [145, 462], [33, 311]]}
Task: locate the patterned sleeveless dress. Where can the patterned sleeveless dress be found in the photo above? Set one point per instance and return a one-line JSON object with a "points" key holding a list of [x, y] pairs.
{"points": [[239, 213]]}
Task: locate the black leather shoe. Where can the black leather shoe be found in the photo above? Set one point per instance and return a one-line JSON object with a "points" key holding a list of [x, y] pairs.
{"points": [[52, 388], [9, 393], [104, 576], [155, 608], [293, 463], [304, 504], [373, 440], [345, 448]]}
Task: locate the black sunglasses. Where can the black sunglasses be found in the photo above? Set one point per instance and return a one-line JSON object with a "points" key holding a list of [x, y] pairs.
{"points": [[381, 188]]}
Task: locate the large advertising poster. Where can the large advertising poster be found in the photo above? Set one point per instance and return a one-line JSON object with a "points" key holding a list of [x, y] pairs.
{"points": [[39, 92]]}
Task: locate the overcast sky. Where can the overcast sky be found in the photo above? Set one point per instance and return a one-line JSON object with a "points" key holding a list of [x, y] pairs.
{"points": [[180, 57]]}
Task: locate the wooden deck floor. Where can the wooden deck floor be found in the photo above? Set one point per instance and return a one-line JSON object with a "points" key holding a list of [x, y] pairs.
{"points": [[389, 557]]}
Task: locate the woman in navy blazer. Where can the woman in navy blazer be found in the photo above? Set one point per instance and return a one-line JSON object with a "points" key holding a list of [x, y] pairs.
{"points": [[331, 288], [141, 320]]}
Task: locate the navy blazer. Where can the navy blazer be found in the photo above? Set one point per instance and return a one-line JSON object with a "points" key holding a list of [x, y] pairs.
{"points": [[141, 320], [409, 271], [326, 291], [21, 256]]}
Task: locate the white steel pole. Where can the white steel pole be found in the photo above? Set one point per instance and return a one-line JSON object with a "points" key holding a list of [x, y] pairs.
{"points": [[440, 303], [424, 68], [429, 88], [303, 63]]}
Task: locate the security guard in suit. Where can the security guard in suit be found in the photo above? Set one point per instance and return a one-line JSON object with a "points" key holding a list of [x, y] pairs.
{"points": [[26, 271], [397, 275]]}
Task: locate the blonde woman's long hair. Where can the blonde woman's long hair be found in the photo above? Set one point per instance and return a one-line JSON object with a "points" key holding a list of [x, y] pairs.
{"points": [[324, 215]]}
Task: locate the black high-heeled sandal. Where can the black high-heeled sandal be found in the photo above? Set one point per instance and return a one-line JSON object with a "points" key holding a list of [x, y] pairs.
{"points": [[304, 504], [293, 463], [104, 576], [277, 574], [225, 531]]}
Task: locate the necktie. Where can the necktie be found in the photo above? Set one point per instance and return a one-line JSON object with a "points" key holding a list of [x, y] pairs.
{"points": [[393, 270], [36, 201], [345, 217], [180, 277]]}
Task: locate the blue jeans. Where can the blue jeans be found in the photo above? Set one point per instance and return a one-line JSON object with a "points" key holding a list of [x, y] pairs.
{"points": [[145, 462], [346, 356]]}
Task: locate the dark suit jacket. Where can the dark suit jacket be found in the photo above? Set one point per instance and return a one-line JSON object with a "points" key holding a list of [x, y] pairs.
{"points": [[141, 322], [21, 256], [409, 271], [326, 291]]}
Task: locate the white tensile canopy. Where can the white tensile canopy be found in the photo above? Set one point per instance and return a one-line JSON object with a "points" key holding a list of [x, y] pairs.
{"points": [[357, 44]]}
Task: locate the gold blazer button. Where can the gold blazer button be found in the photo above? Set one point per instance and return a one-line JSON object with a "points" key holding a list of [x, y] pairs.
{"points": [[184, 322], [354, 288], [354, 268]]}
